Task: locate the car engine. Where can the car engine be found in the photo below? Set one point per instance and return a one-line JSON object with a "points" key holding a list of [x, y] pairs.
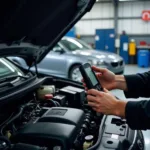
{"points": [[52, 118], [53, 114]]}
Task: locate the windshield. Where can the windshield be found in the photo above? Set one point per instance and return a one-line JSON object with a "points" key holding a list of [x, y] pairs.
{"points": [[74, 44], [8, 69]]}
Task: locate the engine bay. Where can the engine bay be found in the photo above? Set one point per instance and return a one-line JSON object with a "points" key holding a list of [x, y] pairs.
{"points": [[53, 116]]}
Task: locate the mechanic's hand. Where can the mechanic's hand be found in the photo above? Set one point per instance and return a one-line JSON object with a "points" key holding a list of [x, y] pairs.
{"points": [[105, 103], [105, 77]]}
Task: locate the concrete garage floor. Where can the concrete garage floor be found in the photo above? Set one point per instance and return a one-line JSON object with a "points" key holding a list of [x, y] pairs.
{"points": [[132, 69]]}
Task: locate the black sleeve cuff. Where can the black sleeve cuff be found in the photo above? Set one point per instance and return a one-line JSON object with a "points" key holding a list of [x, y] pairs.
{"points": [[135, 116], [131, 114], [132, 85]]}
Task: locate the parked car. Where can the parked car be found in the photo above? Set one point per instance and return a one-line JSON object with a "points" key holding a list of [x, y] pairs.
{"points": [[64, 59]]}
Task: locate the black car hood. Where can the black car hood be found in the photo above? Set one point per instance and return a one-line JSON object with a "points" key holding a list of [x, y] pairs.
{"points": [[30, 28]]}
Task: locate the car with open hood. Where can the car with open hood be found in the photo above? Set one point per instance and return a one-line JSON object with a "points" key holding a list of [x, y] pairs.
{"points": [[68, 54], [39, 112]]}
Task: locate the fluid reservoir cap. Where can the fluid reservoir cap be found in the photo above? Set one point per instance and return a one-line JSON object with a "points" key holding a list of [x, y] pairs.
{"points": [[89, 138], [48, 96], [93, 124]]}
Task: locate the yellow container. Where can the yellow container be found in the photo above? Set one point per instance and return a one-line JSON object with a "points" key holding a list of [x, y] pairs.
{"points": [[132, 48]]}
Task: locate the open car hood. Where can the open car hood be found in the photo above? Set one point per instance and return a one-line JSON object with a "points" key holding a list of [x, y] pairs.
{"points": [[30, 28]]}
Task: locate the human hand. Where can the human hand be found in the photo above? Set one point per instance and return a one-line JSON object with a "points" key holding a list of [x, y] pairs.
{"points": [[105, 77], [105, 103]]}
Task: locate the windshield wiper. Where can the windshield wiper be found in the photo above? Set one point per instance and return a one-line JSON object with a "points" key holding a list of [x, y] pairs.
{"points": [[6, 79], [6, 84]]}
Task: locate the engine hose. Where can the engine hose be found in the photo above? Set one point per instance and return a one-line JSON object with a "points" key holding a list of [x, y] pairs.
{"points": [[6, 120], [16, 116], [56, 104], [12, 119], [100, 134], [8, 143]]}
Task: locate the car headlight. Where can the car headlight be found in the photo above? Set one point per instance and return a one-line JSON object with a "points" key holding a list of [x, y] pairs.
{"points": [[100, 63], [92, 62], [95, 62]]}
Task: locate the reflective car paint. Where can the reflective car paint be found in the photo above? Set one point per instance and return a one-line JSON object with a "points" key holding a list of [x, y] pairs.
{"points": [[59, 63]]}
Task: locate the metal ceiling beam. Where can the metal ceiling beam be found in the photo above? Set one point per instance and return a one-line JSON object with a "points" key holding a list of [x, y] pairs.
{"points": [[107, 1], [133, 1], [109, 18]]}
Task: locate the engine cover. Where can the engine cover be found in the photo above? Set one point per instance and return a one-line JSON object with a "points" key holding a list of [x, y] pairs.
{"points": [[57, 127], [47, 134], [63, 115]]}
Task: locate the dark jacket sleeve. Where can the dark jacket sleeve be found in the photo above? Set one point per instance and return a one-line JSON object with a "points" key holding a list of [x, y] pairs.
{"points": [[138, 115], [138, 85], [138, 112]]}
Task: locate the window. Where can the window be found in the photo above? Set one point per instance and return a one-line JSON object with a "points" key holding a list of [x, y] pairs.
{"points": [[57, 48], [74, 44], [8, 69]]}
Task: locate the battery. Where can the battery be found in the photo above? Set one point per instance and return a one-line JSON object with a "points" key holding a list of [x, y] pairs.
{"points": [[71, 98], [81, 96], [61, 99]]}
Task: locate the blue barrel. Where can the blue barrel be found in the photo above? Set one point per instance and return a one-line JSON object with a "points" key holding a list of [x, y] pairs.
{"points": [[143, 58]]}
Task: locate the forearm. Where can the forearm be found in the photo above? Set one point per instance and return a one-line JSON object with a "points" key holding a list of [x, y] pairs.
{"points": [[120, 83], [119, 109]]}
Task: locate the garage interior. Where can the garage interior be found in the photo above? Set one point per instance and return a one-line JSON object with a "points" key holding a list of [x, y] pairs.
{"points": [[128, 33], [44, 56]]}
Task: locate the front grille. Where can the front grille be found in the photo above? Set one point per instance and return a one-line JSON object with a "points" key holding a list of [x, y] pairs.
{"points": [[115, 64]]}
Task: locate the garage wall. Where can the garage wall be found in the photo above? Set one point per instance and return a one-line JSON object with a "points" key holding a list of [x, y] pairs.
{"points": [[130, 17], [139, 38], [101, 16]]}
